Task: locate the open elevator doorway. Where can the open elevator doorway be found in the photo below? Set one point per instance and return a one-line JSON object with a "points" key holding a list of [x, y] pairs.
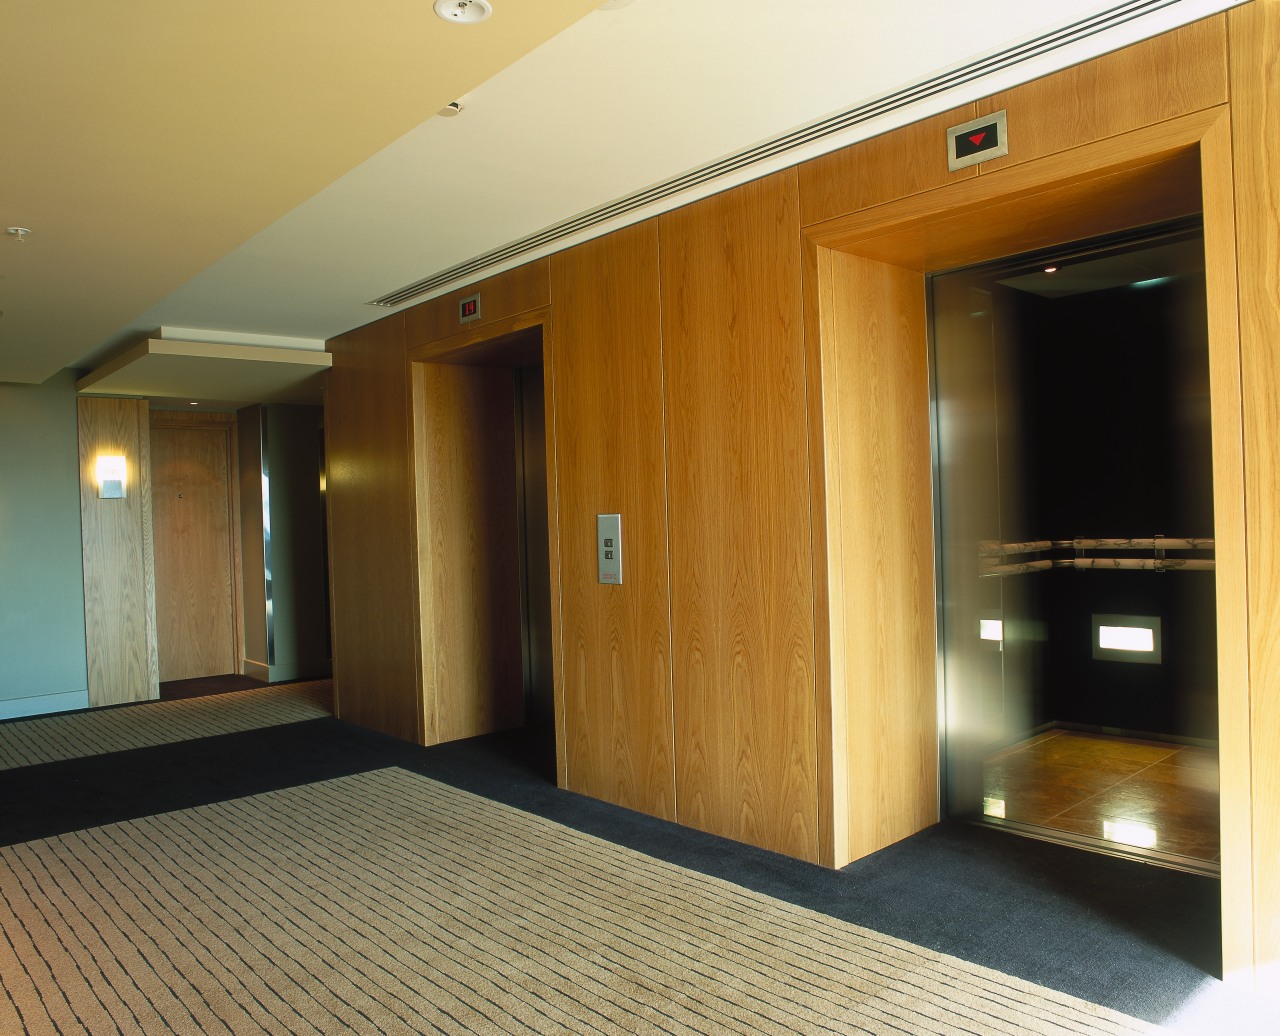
{"points": [[484, 543], [1076, 560]]}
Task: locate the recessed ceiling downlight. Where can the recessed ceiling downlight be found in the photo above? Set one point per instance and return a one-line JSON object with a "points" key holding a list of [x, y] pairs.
{"points": [[464, 12]]}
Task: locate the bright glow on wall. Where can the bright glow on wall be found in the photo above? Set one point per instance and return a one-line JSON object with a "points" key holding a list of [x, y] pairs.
{"points": [[110, 472], [991, 629], [1126, 638]]}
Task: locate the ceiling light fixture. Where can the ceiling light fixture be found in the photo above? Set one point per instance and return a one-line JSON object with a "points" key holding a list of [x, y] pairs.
{"points": [[1050, 269], [19, 232], [451, 109], [463, 12]]}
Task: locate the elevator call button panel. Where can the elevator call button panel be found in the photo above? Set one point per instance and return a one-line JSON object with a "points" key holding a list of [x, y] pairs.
{"points": [[609, 548]]}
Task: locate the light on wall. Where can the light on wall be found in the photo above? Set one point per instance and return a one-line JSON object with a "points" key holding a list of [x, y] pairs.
{"points": [[110, 474], [1127, 638]]}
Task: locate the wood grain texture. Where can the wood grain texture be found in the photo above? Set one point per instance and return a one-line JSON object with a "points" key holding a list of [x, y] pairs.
{"points": [[192, 475], [894, 165], [119, 588], [1154, 168], [880, 533], [616, 696], [469, 554], [501, 296], [372, 542], [1231, 578], [825, 517], [741, 562], [1255, 117], [1161, 78]]}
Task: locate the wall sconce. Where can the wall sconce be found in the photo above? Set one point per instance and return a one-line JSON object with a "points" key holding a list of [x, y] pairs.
{"points": [[109, 471]]}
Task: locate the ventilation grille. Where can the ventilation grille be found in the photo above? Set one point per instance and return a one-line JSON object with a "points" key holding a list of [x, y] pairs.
{"points": [[902, 98]]}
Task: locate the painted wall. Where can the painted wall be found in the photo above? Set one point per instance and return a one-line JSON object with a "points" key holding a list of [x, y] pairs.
{"points": [[42, 632]]}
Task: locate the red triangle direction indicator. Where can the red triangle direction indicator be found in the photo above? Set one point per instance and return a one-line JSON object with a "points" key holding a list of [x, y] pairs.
{"points": [[976, 139]]}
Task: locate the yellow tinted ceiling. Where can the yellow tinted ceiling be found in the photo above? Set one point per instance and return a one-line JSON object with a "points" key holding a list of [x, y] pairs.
{"points": [[143, 140]]}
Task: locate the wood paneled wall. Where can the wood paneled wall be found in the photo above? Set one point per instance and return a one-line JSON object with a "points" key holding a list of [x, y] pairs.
{"points": [[738, 484], [780, 455], [1145, 84], [616, 694], [870, 350], [119, 572], [1255, 116], [469, 560], [372, 543]]}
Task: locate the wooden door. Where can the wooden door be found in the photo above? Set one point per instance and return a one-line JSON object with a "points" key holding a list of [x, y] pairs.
{"points": [[194, 513]]}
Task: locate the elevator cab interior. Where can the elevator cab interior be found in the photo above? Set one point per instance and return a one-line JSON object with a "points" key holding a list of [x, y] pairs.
{"points": [[1074, 510]]}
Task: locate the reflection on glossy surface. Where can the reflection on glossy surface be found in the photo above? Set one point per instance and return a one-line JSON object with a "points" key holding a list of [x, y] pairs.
{"points": [[1129, 832], [1147, 794]]}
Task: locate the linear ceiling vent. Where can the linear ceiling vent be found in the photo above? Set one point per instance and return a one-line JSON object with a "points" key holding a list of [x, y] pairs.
{"points": [[906, 96]]}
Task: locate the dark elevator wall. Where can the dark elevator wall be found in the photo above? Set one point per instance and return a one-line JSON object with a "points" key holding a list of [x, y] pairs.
{"points": [[1113, 388]]}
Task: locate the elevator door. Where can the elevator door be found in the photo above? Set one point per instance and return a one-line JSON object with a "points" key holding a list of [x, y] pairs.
{"points": [[1076, 544]]}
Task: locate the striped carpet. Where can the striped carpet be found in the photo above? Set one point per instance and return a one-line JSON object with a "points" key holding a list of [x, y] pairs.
{"points": [[77, 735], [386, 902]]}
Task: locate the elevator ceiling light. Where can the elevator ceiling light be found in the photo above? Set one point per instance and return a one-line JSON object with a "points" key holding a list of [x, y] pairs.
{"points": [[1050, 269], [463, 12]]}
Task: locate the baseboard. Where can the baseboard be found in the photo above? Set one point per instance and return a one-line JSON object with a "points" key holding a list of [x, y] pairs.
{"points": [[43, 704], [280, 672]]}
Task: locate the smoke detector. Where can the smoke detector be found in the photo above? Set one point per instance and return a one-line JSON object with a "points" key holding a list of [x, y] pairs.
{"points": [[464, 12]]}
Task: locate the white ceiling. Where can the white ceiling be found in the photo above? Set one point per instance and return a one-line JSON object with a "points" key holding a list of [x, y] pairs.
{"points": [[619, 100]]}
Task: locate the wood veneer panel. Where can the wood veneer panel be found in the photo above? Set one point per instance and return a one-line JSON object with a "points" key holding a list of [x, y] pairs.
{"points": [[501, 296], [192, 472], [741, 561], [470, 555], [1255, 117], [1161, 78], [1231, 574], [616, 697], [119, 587], [372, 545], [902, 162], [880, 536]]}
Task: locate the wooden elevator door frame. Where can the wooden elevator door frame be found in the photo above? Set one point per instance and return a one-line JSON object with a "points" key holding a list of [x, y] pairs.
{"points": [[1171, 169], [447, 562]]}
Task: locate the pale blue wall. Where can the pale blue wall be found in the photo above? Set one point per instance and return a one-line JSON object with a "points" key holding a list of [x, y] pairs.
{"points": [[42, 637]]}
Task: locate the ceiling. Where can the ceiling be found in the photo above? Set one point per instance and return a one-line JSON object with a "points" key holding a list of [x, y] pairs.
{"points": [[245, 169]]}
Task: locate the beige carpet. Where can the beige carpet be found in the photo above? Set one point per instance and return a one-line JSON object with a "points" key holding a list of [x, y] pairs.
{"points": [[77, 735], [389, 903]]}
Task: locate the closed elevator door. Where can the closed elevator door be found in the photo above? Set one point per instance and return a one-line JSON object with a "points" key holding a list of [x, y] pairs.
{"points": [[1076, 586]]}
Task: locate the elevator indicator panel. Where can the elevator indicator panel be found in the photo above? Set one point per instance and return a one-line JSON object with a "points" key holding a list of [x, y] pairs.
{"points": [[977, 141], [609, 548], [469, 309]]}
